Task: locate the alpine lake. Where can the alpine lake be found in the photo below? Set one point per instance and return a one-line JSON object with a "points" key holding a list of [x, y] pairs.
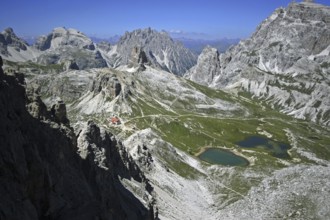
{"points": [[227, 158]]}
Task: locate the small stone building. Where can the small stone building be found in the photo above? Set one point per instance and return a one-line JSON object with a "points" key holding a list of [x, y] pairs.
{"points": [[115, 120]]}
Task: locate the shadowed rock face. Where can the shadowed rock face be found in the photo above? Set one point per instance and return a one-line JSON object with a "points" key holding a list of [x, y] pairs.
{"points": [[71, 65], [108, 84], [43, 177], [138, 58], [1, 64], [9, 38], [59, 112]]}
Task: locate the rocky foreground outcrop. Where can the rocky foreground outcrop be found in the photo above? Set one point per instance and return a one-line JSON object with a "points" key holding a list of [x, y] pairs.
{"points": [[43, 177]]}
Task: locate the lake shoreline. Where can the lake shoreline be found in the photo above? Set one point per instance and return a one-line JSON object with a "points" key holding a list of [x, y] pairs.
{"points": [[202, 150], [233, 153]]}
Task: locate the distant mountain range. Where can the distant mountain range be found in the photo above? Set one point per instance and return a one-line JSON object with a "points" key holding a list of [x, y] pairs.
{"points": [[70, 47], [195, 45]]}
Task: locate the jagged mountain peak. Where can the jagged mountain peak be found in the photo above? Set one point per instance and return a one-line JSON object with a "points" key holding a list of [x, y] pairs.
{"points": [[67, 48], [300, 30], [144, 37], [208, 62], [10, 36], [63, 45], [11, 44], [296, 24], [208, 49], [146, 33], [285, 62], [8, 30], [160, 49]]}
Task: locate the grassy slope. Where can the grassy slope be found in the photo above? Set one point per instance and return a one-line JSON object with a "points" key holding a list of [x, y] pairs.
{"points": [[174, 115], [190, 130]]}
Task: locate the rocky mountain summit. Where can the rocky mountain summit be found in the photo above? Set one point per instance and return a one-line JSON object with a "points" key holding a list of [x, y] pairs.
{"points": [[14, 48], [43, 177], [64, 37], [64, 49], [71, 47], [159, 48], [68, 49], [286, 62], [9, 38]]}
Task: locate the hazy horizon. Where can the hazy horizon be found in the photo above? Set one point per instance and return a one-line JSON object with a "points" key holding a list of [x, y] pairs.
{"points": [[200, 19]]}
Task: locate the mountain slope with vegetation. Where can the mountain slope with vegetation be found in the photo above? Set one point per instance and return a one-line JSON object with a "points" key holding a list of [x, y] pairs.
{"points": [[283, 63]]}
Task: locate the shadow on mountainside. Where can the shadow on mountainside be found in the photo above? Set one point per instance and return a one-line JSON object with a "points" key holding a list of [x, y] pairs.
{"points": [[43, 177]]}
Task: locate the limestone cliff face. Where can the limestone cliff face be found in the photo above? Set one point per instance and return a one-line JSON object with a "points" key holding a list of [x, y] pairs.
{"points": [[9, 38], [64, 37], [286, 62], [106, 83], [208, 65], [43, 177], [160, 50], [286, 42], [68, 46], [138, 59]]}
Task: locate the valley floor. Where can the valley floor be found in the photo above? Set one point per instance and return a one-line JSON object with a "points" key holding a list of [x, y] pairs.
{"points": [[163, 131]]}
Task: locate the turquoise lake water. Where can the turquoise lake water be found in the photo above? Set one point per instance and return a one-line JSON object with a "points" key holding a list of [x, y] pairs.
{"points": [[223, 157], [277, 149]]}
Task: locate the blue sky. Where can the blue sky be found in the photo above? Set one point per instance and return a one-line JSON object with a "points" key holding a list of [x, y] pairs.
{"points": [[103, 18]]}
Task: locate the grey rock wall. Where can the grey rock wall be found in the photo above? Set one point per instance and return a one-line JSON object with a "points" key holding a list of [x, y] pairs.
{"points": [[43, 177], [160, 50], [286, 62]]}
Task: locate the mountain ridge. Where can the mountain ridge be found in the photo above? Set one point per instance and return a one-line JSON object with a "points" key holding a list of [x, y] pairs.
{"points": [[73, 48], [159, 48], [284, 62]]}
